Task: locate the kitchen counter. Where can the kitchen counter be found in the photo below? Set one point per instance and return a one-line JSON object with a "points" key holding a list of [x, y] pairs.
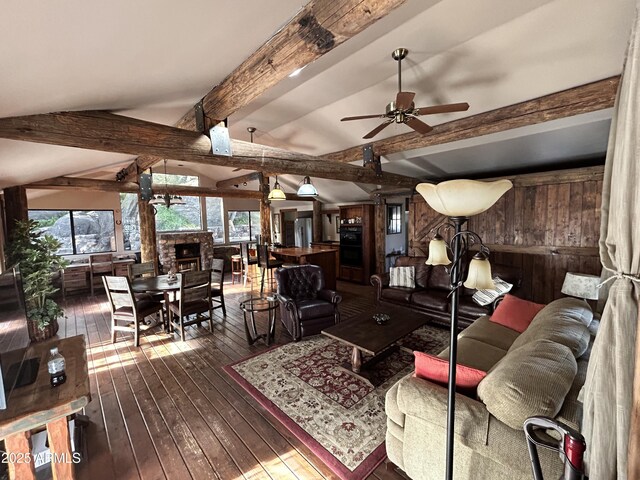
{"points": [[325, 257]]}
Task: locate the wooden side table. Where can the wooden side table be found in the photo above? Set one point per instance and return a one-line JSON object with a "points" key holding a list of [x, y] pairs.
{"points": [[39, 404]]}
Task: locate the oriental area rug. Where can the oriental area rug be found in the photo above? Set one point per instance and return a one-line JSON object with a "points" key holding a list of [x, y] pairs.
{"points": [[337, 415]]}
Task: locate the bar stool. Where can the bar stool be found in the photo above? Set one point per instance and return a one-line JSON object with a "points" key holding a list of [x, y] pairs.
{"points": [[236, 268]]}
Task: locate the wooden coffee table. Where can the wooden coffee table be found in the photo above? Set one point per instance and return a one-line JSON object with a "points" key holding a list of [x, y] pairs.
{"points": [[366, 336]]}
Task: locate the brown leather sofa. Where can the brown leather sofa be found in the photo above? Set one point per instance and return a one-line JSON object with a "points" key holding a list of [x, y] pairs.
{"points": [[306, 307], [432, 289]]}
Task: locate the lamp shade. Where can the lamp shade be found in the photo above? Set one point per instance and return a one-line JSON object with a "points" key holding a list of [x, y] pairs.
{"points": [[277, 193], [581, 285], [307, 189], [479, 276], [438, 252], [462, 198]]}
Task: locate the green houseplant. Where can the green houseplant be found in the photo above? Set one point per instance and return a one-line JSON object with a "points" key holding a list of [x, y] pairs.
{"points": [[37, 257]]}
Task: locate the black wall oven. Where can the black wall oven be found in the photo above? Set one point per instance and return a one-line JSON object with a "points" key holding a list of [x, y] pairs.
{"points": [[351, 246]]}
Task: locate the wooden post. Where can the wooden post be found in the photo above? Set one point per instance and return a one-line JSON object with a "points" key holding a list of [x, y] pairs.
{"points": [[380, 241], [62, 465], [633, 465], [15, 204], [19, 446], [148, 246], [265, 211], [317, 221]]}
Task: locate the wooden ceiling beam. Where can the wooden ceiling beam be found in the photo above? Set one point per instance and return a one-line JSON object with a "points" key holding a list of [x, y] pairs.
{"points": [[574, 101], [95, 185], [97, 130], [319, 27], [239, 180]]}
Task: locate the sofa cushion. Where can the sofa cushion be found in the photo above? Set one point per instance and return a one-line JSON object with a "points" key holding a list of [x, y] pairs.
{"points": [[433, 299], [516, 313], [531, 380], [435, 369], [422, 270], [308, 309], [485, 297], [439, 278], [398, 294], [563, 321], [468, 308], [476, 354], [490, 333], [402, 277]]}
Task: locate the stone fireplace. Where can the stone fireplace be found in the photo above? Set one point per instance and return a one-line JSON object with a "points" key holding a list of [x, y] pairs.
{"points": [[173, 246]]}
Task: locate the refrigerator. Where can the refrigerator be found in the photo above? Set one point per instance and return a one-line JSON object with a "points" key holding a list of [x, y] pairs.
{"points": [[304, 228]]}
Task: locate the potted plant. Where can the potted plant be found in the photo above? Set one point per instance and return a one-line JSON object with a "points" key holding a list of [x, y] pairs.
{"points": [[37, 257]]}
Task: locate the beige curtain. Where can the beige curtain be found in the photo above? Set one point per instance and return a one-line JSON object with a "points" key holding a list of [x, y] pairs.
{"points": [[609, 386]]}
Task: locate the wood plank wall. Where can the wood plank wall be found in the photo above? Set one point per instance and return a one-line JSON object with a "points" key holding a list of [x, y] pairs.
{"points": [[548, 224]]}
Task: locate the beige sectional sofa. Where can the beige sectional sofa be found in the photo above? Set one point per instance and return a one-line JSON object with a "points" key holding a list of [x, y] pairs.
{"points": [[538, 372]]}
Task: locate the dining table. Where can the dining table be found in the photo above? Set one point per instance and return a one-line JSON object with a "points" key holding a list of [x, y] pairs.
{"points": [[159, 284]]}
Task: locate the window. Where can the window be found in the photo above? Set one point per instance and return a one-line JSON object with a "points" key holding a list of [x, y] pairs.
{"points": [[394, 219], [79, 231], [130, 221], [243, 225], [178, 217], [215, 215]]}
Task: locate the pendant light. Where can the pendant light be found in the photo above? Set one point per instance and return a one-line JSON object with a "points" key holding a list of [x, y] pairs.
{"points": [[166, 199], [307, 189], [277, 193]]}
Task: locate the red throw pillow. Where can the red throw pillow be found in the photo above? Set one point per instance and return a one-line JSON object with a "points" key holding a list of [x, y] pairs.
{"points": [[435, 369], [515, 313]]}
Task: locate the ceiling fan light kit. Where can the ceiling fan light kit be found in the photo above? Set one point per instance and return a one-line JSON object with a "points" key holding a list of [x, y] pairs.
{"points": [[403, 110]]}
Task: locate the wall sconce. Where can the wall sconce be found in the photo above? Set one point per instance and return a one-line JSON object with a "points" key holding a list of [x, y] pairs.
{"points": [[459, 200]]}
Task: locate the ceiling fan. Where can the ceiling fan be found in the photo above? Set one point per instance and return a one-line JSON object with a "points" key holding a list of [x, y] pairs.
{"points": [[403, 110]]}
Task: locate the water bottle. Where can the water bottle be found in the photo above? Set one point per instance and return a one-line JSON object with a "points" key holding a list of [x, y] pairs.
{"points": [[56, 368]]}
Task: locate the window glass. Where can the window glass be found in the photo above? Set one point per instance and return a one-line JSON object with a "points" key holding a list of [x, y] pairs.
{"points": [[56, 223], [179, 217], [394, 219], [79, 231], [172, 179], [239, 228], [244, 225], [215, 214], [130, 221]]}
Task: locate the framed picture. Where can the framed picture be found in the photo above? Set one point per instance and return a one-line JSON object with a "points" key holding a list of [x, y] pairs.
{"points": [[337, 221], [394, 219], [276, 223]]}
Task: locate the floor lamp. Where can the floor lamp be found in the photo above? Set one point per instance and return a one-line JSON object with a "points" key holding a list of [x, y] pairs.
{"points": [[459, 200]]}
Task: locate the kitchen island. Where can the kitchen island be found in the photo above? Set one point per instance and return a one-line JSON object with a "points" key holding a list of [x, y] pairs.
{"points": [[325, 257]]}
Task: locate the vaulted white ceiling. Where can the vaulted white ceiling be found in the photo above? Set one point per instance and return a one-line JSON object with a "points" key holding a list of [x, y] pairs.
{"points": [[155, 59]]}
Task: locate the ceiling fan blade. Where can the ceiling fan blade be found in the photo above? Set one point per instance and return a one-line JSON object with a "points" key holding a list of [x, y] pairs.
{"points": [[418, 125], [404, 100], [378, 129], [450, 107], [361, 117]]}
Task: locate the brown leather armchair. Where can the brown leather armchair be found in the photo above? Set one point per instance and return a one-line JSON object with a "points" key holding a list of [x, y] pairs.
{"points": [[306, 307]]}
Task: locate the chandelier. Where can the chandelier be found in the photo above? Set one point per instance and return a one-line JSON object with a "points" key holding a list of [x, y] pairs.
{"points": [[166, 199]]}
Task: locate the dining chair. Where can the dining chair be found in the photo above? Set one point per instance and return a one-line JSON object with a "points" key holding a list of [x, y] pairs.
{"points": [[217, 284], [194, 299], [145, 269], [100, 264], [266, 264], [127, 312], [247, 260]]}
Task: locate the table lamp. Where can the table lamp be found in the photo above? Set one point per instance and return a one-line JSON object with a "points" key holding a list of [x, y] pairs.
{"points": [[581, 285]]}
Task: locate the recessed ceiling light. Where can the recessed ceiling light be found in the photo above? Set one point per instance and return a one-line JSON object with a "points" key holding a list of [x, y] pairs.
{"points": [[296, 72]]}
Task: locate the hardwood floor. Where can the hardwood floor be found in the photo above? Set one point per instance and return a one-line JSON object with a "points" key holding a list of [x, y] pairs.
{"points": [[168, 410]]}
